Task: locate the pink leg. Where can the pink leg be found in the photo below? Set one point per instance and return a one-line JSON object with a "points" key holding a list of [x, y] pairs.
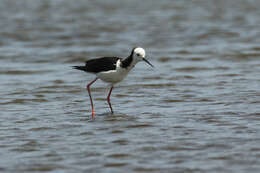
{"points": [[92, 106], [108, 99]]}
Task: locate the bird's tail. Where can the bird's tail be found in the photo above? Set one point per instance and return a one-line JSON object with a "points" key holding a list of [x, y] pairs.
{"points": [[83, 68]]}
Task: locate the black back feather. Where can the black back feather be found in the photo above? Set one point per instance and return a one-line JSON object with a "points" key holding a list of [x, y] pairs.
{"points": [[105, 63], [99, 65]]}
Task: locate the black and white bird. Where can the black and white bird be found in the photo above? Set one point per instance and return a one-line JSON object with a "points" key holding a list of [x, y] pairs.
{"points": [[112, 70]]}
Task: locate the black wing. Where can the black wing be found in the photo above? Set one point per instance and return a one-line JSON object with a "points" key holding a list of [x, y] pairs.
{"points": [[99, 65]]}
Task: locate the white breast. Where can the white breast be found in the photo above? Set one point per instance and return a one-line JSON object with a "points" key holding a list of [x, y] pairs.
{"points": [[113, 76]]}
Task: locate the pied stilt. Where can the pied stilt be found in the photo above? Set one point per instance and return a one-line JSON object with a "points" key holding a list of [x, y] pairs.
{"points": [[112, 70]]}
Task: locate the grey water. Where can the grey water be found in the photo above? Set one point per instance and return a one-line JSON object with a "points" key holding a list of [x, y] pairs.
{"points": [[198, 110]]}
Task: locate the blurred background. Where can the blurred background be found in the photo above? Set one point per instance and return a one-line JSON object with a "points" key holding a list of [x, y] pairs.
{"points": [[197, 111]]}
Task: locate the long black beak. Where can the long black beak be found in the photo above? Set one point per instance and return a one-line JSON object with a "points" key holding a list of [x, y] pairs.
{"points": [[147, 62]]}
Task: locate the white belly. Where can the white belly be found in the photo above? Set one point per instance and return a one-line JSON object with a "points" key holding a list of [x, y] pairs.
{"points": [[113, 76]]}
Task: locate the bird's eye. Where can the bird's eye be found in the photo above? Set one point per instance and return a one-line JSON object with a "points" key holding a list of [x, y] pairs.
{"points": [[138, 54]]}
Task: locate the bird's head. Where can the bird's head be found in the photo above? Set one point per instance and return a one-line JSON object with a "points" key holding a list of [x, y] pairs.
{"points": [[138, 54]]}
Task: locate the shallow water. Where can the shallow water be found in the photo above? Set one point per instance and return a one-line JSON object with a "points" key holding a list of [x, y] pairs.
{"points": [[197, 111]]}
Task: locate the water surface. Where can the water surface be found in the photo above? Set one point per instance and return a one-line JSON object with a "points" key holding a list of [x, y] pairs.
{"points": [[197, 111]]}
